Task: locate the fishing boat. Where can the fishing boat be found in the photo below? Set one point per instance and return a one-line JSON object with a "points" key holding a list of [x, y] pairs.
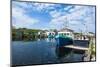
{"points": [[63, 39], [51, 35], [65, 35]]}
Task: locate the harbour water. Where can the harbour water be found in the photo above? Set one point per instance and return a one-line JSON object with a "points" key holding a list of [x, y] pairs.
{"points": [[41, 51]]}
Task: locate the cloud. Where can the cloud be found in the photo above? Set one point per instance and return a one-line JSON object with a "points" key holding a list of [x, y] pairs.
{"points": [[59, 22], [40, 7], [84, 17], [57, 15], [78, 16], [45, 7], [68, 8], [20, 18]]}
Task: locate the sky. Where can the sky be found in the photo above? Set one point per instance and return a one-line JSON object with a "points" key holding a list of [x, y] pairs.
{"points": [[43, 16]]}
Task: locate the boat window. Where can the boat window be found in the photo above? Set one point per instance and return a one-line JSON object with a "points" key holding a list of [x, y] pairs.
{"points": [[64, 33], [49, 33], [52, 33], [67, 33]]}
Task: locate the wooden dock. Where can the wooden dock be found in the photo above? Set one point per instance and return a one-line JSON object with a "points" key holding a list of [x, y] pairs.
{"points": [[77, 47], [82, 45]]}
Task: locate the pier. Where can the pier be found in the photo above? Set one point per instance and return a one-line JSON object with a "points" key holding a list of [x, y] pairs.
{"points": [[81, 47], [77, 47]]}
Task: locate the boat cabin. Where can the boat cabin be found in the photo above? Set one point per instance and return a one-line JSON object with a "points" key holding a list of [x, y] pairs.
{"points": [[66, 32]]}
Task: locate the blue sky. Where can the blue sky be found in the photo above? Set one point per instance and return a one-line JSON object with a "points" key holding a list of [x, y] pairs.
{"points": [[53, 16]]}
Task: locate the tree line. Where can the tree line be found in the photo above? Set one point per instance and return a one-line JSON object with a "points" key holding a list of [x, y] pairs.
{"points": [[26, 34]]}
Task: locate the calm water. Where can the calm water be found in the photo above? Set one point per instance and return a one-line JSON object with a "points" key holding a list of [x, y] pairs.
{"points": [[41, 52]]}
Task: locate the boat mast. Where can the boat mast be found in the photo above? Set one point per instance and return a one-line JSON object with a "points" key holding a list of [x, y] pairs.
{"points": [[66, 23]]}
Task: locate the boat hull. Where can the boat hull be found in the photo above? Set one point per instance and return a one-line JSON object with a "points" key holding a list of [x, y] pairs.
{"points": [[50, 36], [64, 41]]}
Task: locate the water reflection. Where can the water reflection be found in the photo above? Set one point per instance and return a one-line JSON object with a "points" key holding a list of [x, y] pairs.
{"points": [[42, 51], [62, 52], [69, 55], [50, 40]]}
